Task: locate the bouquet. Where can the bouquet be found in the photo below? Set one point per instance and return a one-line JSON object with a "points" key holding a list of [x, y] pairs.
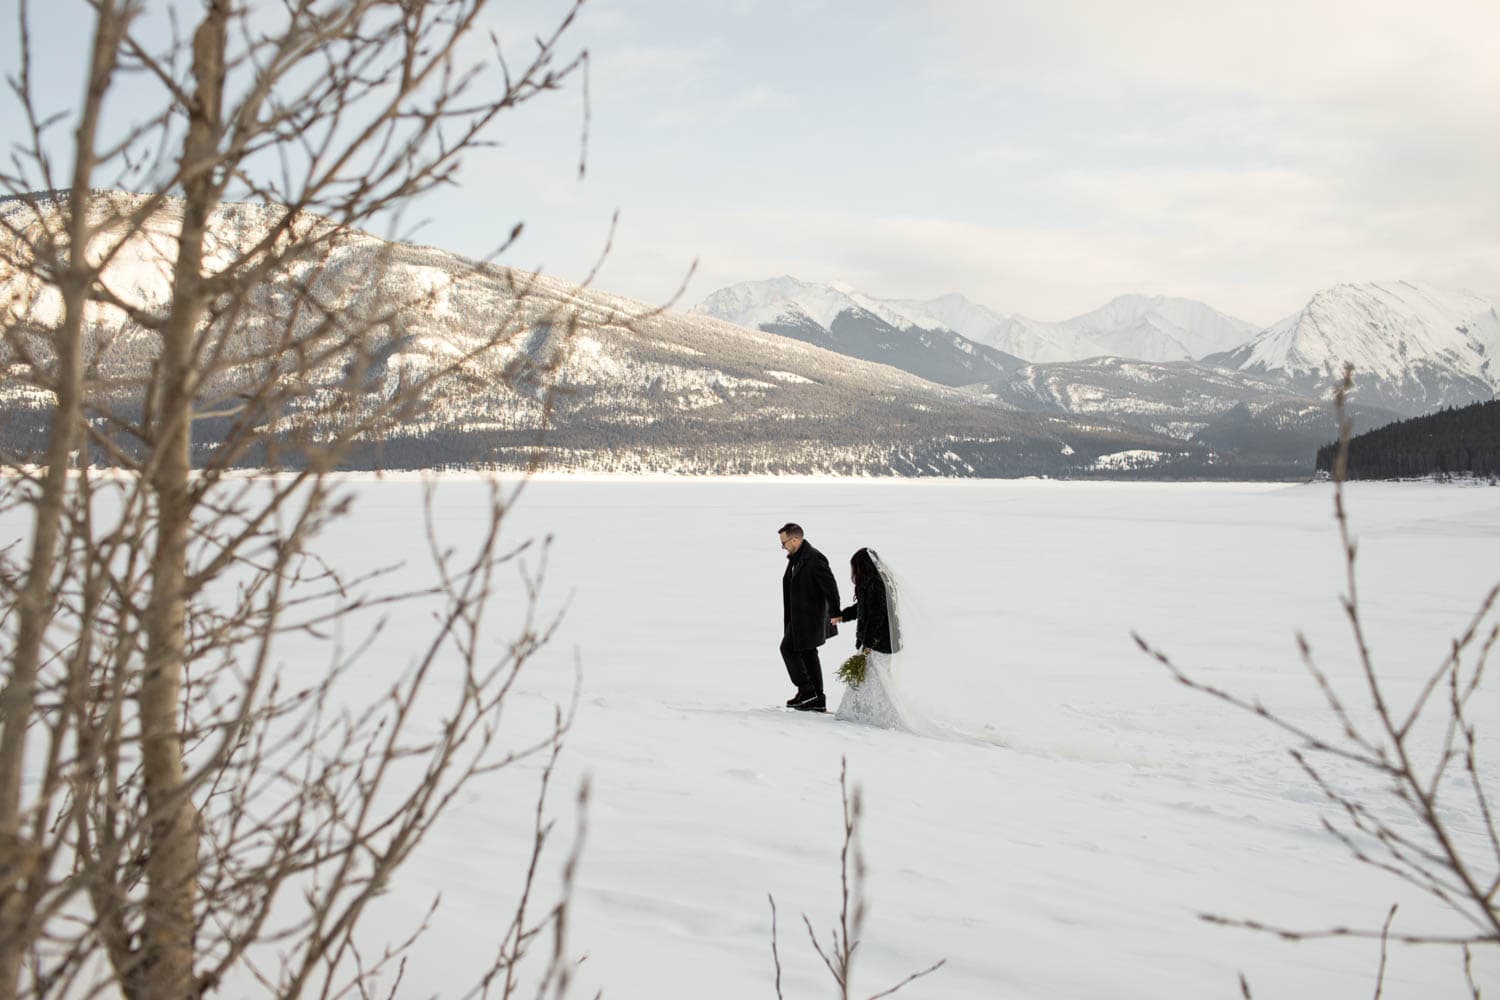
{"points": [[852, 672]]}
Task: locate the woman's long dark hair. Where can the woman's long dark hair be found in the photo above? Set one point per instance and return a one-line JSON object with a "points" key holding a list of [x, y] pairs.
{"points": [[865, 572]]}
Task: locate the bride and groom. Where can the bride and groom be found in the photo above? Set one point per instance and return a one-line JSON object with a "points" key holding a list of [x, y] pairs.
{"points": [[811, 616]]}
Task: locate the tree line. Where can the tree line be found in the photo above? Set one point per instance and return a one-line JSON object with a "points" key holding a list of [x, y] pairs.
{"points": [[1454, 441]]}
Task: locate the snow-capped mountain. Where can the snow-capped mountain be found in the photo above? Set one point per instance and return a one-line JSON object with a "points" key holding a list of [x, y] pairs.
{"points": [[1140, 327], [1161, 328], [841, 319], [753, 303], [1414, 347], [1146, 328], [1045, 342], [948, 312], [641, 389]]}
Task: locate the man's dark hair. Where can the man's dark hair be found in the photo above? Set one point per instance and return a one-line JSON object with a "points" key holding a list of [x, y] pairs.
{"points": [[794, 530]]}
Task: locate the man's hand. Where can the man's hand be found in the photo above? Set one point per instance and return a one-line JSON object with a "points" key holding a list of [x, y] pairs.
{"points": [[835, 621]]}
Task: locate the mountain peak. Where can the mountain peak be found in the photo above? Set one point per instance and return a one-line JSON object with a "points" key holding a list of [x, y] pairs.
{"points": [[755, 303], [1135, 299], [1413, 346]]}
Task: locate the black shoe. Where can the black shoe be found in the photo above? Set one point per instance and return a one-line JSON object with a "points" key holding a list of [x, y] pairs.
{"points": [[812, 703], [790, 702]]}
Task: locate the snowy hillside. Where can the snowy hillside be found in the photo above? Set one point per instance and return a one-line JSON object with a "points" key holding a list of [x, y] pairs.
{"points": [[1414, 347], [1177, 398], [1254, 418]]}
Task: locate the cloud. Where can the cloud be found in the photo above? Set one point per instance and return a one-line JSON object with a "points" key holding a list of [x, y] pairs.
{"points": [[1014, 269], [1394, 93], [1043, 158], [651, 65], [999, 157], [1336, 140], [693, 113], [1290, 49], [1255, 246]]}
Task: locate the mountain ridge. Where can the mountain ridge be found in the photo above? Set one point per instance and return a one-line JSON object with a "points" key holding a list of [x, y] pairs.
{"points": [[1414, 347], [1149, 328], [638, 389]]}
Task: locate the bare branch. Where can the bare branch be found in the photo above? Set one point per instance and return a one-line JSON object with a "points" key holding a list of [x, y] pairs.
{"points": [[844, 940], [198, 810], [1385, 940], [775, 954]]}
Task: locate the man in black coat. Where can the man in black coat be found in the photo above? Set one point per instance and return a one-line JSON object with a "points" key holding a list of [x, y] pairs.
{"points": [[809, 598]]}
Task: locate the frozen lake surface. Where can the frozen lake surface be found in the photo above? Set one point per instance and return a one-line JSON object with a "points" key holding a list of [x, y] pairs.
{"points": [[1065, 852], [1069, 862]]}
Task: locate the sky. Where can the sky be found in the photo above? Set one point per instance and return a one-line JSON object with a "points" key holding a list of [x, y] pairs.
{"points": [[1039, 158]]}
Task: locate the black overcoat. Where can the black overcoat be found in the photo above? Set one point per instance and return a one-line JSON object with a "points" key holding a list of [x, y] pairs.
{"points": [[809, 599], [872, 616]]}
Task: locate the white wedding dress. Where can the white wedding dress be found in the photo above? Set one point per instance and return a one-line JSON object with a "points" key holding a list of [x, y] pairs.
{"points": [[877, 701]]}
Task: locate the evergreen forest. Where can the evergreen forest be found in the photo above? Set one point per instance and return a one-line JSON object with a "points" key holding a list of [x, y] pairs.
{"points": [[1454, 441]]}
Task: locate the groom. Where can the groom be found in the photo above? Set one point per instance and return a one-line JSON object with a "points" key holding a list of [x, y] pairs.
{"points": [[809, 598]]}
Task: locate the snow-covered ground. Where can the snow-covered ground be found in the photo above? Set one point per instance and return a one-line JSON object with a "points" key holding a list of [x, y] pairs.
{"points": [[1065, 852], [1069, 862]]}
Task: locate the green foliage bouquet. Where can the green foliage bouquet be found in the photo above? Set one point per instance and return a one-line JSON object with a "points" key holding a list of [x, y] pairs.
{"points": [[852, 672]]}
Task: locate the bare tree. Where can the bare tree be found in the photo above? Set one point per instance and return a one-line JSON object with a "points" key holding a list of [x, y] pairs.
{"points": [[173, 808], [839, 952], [1423, 755]]}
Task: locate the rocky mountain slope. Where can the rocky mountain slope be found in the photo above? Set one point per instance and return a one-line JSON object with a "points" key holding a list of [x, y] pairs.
{"points": [[1414, 348], [1247, 419]]}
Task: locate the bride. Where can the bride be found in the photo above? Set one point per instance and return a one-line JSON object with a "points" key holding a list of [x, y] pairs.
{"points": [[877, 700]]}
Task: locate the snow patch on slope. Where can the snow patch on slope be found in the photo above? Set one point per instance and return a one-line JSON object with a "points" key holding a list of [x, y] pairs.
{"points": [[1133, 458]]}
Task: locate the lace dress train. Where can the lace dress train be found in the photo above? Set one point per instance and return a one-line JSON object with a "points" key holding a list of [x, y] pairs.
{"points": [[877, 701]]}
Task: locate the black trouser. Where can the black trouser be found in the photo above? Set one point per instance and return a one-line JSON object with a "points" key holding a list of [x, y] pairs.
{"points": [[803, 668]]}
